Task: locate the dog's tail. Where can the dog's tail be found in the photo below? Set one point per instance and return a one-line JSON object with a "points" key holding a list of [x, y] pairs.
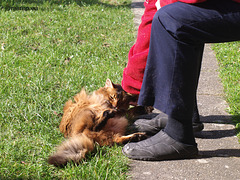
{"points": [[74, 149]]}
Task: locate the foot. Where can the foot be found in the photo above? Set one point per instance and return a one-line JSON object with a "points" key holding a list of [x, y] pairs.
{"points": [[158, 122], [159, 147], [197, 126], [151, 126]]}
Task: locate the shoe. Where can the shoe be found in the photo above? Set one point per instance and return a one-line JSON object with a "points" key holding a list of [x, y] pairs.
{"points": [[197, 126], [151, 126], [157, 123], [159, 147]]}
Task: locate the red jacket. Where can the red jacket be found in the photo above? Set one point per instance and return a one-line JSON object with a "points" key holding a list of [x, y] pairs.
{"points": [[137, 57]]}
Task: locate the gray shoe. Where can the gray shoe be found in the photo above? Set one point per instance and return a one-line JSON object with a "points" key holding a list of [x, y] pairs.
{"points": [[197, 126], [151, 126], [153, 123], [159, 147]]}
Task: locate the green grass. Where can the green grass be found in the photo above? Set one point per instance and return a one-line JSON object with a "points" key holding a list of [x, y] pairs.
{"points": [[228, 55], [46, 56]]}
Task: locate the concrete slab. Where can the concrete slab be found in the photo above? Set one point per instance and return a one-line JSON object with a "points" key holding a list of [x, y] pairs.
{"points": [[219, 156]]}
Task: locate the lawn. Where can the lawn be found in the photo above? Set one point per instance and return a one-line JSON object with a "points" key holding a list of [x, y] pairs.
{"points": [[228, 55], [49, 51]]}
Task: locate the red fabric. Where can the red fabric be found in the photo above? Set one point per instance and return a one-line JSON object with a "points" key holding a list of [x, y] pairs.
{"points": [[166, 2], [137, 57]]}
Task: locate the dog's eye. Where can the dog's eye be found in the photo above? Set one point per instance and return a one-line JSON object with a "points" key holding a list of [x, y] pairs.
{"points": [[112, 97]]}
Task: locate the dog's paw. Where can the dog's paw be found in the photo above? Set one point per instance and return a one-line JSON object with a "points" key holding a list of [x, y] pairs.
{"points": [[139, 136], [109, 113]]}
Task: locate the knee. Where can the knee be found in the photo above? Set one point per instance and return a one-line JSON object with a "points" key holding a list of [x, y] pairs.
{"points": [[173, 18], [168, 17]]}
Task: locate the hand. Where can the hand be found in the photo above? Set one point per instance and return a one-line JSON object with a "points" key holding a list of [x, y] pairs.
{"points": [[133, 103], [133, 99]]}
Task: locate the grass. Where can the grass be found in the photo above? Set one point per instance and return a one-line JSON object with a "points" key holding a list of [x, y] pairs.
{"points": [[47, 55], [228, 55]]}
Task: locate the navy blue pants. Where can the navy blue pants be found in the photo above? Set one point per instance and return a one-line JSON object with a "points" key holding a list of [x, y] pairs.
{"points": [[179, 32]]}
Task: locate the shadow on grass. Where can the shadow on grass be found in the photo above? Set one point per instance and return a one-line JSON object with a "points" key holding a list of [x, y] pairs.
{"points": [[236, 121], [137, 5], [26, 5]]}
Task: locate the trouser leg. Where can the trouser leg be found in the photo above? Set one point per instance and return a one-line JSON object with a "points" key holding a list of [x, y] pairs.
{"points": [[195, 116], [178, 34]]}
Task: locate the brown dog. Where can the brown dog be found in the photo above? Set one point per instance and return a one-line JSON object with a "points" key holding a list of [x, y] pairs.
{"points": [[95, 118]]}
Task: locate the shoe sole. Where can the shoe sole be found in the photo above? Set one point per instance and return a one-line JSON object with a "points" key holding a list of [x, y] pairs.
{"points": [[162, 158]]}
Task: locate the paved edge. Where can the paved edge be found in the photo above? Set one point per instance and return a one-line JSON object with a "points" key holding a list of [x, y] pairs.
{"points": [[218, 145]]}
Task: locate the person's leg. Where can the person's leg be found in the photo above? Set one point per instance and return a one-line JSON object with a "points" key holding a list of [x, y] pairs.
{"points": [[137, 57], [154, 125], [179, 32]]}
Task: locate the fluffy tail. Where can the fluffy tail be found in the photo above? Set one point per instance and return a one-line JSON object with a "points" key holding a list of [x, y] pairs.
{"points": [[74, 149]]}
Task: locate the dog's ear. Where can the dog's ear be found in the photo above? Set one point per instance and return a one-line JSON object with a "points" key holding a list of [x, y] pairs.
{"points": [[109, 83]]}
